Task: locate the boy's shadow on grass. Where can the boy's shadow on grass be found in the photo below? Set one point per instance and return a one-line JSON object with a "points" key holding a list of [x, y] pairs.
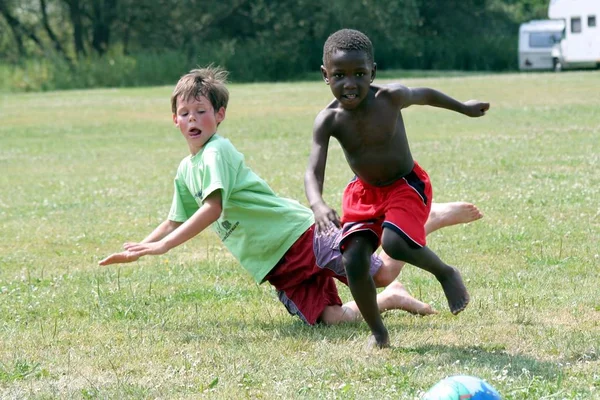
{"points": [[257, 330], [492, 355]]}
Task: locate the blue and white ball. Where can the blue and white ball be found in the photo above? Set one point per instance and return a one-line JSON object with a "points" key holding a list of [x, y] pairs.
{"points": [[462, 387]]}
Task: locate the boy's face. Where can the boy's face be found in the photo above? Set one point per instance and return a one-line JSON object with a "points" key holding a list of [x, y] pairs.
{"points": [[349, 75], [197, 120]]}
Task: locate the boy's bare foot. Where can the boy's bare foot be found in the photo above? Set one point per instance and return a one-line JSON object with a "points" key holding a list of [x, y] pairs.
{"points": [[396, 297], [455, 291], [448, 214]]}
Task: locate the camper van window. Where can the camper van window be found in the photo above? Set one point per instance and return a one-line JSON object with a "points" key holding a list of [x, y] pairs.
{"points": [[575, 25], [591, 21], [543, 39]]}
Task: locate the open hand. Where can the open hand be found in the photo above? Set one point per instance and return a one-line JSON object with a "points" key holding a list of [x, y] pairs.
{"points": [[133, 251], [142, 249], [119, 258], [475, 108], [326, 218]]}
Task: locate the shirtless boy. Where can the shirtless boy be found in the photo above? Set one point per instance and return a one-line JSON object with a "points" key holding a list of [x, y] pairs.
{"points": [[389, 200]]}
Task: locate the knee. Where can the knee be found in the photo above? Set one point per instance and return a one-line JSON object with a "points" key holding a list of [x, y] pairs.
{"points": [[394, 245], [357, 256], [385, 276], [333, 315], [389, 270], [356, 264]]}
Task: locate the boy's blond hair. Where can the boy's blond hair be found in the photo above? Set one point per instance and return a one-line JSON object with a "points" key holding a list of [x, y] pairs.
{"points": [[208, 82]]}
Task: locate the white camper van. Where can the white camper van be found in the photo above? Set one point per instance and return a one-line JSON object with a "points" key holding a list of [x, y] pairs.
{"points": [[536, 40], [580, 44]]}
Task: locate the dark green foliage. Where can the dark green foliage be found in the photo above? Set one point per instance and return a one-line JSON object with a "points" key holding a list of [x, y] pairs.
{"points": [[56, 44]]}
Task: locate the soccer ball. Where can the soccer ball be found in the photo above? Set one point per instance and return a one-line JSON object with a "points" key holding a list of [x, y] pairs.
{"points": [[462, 387]]}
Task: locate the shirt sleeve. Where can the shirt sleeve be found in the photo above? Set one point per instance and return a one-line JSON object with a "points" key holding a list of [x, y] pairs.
{"points": [[218, 174], [183, 205]]}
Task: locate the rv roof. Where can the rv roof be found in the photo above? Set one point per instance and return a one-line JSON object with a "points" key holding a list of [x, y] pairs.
{"points": [[570, 8], [544, 25]]}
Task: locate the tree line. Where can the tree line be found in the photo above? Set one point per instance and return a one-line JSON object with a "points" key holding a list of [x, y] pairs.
{"points": [[81, 43]]}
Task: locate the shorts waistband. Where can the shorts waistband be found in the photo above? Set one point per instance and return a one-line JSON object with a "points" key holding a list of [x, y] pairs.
{"points": [[389, 182]]}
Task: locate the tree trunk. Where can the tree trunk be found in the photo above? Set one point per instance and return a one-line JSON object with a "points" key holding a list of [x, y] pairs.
{"points": [[16, 35], [19, 29], [103, 17], [57, 46], [76, 19]]}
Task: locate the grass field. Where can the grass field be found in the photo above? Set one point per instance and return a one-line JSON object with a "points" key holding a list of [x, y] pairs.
{"points": [[84, 171]]}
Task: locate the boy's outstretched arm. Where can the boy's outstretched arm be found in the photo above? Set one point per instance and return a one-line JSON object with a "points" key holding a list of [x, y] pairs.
{"points": [[162, 230], [431, 97], [208, 213], [315, 176]]}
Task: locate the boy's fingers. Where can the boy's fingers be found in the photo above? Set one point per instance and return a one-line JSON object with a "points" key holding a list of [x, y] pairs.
{"points": [[106, 261], [336, 220], [113, 259], [321, 226], [136, 248], [117, 258]]}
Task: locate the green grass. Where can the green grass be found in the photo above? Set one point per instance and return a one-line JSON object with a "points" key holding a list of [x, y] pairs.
{"points": [[84, 171]]}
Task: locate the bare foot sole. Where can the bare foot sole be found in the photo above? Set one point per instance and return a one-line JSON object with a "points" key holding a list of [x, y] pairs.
{"points": [[396, 297], [448, 214], [374, 343], [455, 291]]}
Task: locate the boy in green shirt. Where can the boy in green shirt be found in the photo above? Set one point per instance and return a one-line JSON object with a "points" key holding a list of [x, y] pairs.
{"points": [[272, 237]]}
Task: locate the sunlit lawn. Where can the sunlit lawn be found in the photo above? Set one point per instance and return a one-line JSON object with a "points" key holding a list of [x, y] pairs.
{"points": [[81, 172]]}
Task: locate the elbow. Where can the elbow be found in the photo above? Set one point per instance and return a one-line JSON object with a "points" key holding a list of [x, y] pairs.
{"points": [[215, 211], [172, 225], [429, 97]]}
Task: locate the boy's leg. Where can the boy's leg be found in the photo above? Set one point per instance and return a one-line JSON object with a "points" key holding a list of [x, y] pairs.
{"points": [[448, 214], [449, 277], [356, 258], [394, 297], [441, 216]]}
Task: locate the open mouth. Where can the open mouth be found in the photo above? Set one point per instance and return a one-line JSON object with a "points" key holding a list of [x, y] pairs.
{"points": [[350, 96], [195, 132]]}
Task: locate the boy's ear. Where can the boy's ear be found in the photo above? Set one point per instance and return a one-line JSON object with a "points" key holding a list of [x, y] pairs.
{"points": [[324, 73], [175, 120], [373, 72], [220, 115]]}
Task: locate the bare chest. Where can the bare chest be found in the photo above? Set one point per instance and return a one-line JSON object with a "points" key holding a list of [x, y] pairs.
{"points": [[371, 132]]}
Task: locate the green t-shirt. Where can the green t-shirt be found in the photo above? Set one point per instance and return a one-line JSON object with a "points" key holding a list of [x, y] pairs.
{"points": [[256, 225]]}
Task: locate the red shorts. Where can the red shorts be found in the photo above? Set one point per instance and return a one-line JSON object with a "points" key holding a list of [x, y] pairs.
{"points": [[402, 206], [304, 277]]}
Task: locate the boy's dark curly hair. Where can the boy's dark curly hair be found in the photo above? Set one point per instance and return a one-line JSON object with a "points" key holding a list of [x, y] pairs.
{"points": [[345, 40]]}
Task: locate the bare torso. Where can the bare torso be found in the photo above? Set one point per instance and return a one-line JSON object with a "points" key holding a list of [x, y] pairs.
{"points": [[373, 138]]}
